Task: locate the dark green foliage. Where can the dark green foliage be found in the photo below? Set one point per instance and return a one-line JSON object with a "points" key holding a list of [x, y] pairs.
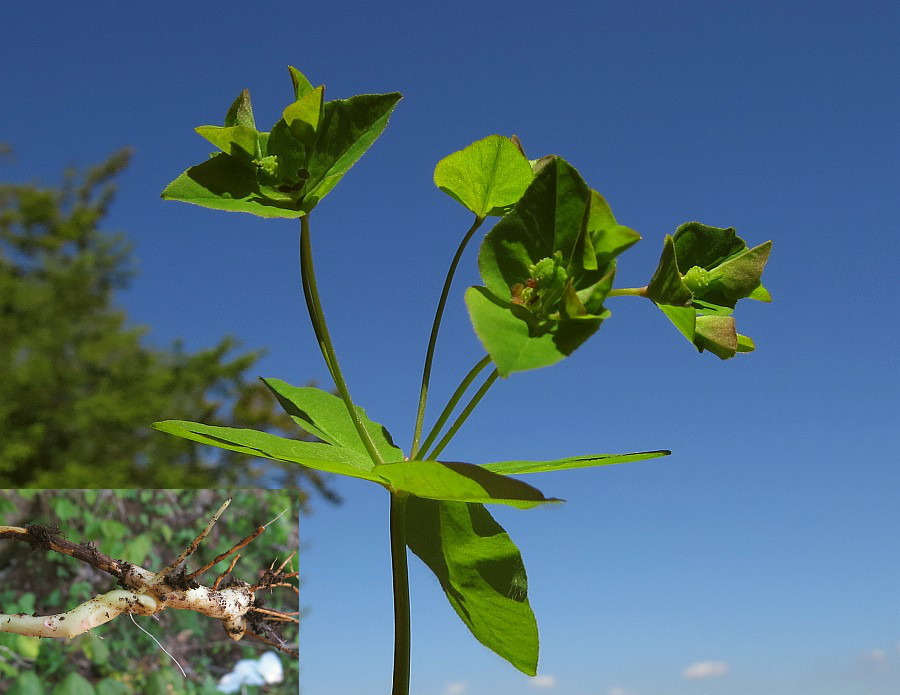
{"points": [[78, 387]]}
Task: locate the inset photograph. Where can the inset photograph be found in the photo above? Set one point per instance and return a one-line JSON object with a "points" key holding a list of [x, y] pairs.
{"points": [[158, 592]]}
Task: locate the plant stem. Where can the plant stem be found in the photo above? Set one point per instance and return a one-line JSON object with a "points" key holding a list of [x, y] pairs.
{"points": [[433, 454], [317, 316], [628, 292], [432, 341], [454, 399], [400, 572]]}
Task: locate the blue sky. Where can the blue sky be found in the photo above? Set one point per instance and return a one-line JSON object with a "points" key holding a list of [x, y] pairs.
{"points": [[762, 557]]}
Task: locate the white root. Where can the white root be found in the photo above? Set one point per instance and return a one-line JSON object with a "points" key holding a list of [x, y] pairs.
{"points": [[97, 611], [229, 605]]}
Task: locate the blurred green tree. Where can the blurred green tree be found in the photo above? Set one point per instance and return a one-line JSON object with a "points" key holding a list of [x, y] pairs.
{"points": [[78, 386]]}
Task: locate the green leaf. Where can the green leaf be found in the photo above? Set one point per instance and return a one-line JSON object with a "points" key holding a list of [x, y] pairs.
{"points": [[160, 682], [223, 183], [139, 548], [594, 295], [666, 285], [716, 266], [487, 177], [321, 457], [74, 684], [515, 341], [27, 683], [520, 467], [572, 306], [348, 129], [302, 86], [98, 651], [760, 294], [241, 113], [108, 686], [608, 237], [304, 116], [739, 276], [28, 646], [745, 343], [290, 156], [702, 274], [235, 140], [714, 332], [294, 166], [481, 572], [717, 334], [705, 308], [548, 218], [525, 317], [701, 245], [684, 318], [431, 479], [325, 416], [460, 482]]}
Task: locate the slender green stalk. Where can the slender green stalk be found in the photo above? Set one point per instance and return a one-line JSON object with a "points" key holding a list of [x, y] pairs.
{"points": [[454, 399], [317, 316], [628, 292], [433, 454], [402, 635], [432, 341]]}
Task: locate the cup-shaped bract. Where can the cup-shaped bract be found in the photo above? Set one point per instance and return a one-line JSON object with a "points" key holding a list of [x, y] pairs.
{"points": [[287, 171], [547, 268], [702, 273]]}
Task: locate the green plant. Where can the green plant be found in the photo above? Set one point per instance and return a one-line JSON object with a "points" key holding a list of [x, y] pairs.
{"points": [[548, 267]]}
